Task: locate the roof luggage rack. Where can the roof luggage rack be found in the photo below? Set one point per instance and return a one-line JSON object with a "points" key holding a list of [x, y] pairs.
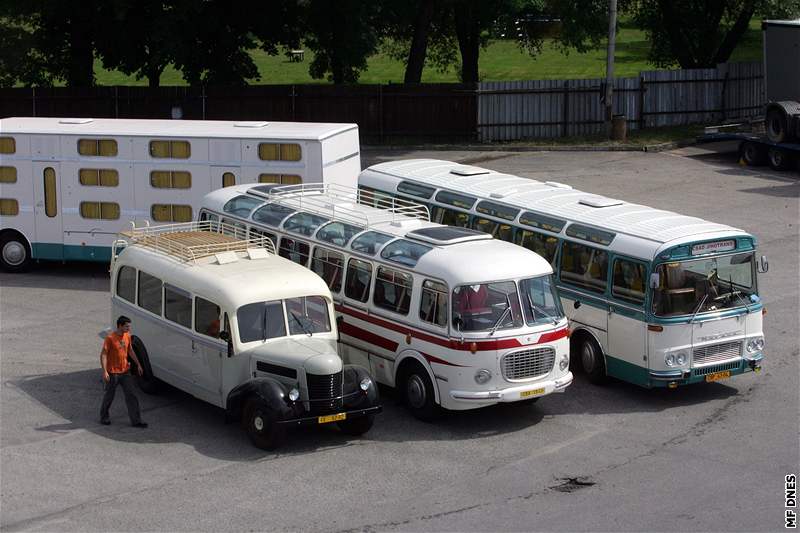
{"points": [[339, 203], [191, 241]]}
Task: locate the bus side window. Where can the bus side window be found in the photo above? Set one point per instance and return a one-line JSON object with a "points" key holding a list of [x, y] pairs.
{"points": [[328, 265], [150, 293], [126, 283], [392, 290], [433, 303], [359, 275], [206, 317], [544, 245], [449, 217], [628, 281], [584, 266], [294, 250]]}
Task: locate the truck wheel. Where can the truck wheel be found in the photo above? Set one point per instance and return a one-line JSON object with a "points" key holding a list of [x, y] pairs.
{"points": [[260, 425], [15, 254], [754, 155], [148, 383], [418, 395], [356, 426], [592, 361], [775, 123], [778, 159]]}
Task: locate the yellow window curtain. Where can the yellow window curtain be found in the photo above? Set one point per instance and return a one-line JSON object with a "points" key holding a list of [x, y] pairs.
{"points": [[7, 145], [50, 201], [290, 152], [181, 213], [181, 149], [268, 151], [90, 209], [88, 176], [269, 178], [181, 180], [108, 147], [109, 177], [161, 179], [9, 207], [228, 179], [291, 179], [87, 146], [161, 212], [159, 148], [109, 211], [8, 174]]}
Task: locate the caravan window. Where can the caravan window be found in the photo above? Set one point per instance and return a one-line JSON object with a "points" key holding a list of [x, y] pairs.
{"points": [[98, 177], [9, 207], [171, 213], [170, 149], [279, 152], [8, 174], [97, 147], [171, 179], [8, 145]]}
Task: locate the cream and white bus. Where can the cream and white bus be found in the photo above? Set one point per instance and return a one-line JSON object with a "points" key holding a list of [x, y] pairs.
{"points": [[67, 186], [449, 316], [654, 298]]}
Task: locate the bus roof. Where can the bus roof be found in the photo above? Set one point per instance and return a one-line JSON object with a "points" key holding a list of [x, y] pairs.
{"points": [[301, 131], [660, 228], [463, 259]]}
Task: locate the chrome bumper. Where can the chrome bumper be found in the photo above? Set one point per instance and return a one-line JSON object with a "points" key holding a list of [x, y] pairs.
{"points": [[513, 394]]}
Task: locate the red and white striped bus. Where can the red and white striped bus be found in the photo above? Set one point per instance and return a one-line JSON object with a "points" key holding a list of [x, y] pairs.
{"points": [[449, 316]]}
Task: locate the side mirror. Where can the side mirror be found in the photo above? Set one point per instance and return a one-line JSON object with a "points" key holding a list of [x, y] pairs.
{"points": [[655, 280], [577, 304], [458, 322], [339, 322], [763, 264]]}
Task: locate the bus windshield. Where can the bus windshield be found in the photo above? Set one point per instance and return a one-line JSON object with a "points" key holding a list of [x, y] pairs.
{"points": [[705, 285], [540, 302], [486, 306]]}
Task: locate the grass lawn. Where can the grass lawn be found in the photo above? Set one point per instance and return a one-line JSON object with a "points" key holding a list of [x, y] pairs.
{"points": [[500, 61]]}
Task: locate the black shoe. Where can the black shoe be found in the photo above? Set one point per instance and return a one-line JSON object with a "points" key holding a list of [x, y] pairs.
{"points": [[140, 425], [106, 422]]}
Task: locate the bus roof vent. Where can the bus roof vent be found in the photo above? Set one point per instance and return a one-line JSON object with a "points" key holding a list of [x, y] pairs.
{"points": [[558, 185], [75, 120], [223, 258], [250, 124], [442, 235], [466, 170], [599, 201], [257, 253]]}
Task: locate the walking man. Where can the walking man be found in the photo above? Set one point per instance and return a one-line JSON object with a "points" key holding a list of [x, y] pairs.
{"points": [[114, 360]]}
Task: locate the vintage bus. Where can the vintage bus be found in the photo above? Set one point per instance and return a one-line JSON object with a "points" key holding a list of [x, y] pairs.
{"points": [[67, 186], [653, 297], [449, 316]]}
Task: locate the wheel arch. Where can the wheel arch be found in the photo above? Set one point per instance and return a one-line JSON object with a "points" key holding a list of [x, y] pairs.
{"points": [[270, 390], [576, 337], [407, 358]]}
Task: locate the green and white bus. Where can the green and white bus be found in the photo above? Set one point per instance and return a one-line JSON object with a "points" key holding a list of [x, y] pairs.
{"points": [[654, 298]]}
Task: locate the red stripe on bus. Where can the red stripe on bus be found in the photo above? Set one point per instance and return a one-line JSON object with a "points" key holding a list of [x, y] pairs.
{"points": [[551, 336], [434, 359], [368, 336]]}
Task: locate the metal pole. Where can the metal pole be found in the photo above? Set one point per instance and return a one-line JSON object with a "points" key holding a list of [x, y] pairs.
{"points": [[612, 37]]}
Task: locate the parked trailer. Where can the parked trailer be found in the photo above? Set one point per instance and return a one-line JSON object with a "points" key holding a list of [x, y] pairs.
{"points": [[757, 150], [67, 186]]}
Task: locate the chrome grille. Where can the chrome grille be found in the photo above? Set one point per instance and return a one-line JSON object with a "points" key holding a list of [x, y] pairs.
{"points": [[527, 364], [733, 365], [717, 352], [325, 392]]}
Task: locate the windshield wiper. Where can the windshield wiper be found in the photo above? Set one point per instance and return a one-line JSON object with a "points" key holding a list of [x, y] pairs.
{"points": [[738, 294], [300, 323], [533, 308], [506, 312], [697, 310]]}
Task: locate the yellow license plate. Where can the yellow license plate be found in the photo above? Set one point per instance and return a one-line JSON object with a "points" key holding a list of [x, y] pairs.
{"points": [[717, 376], [331, 418], [529, 393]]}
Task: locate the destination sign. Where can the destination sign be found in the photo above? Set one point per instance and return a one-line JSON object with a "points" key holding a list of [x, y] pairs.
{"points": [[708, 247]]}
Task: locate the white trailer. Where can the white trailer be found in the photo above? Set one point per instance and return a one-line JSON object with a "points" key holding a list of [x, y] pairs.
{"points": [[67, 186]]}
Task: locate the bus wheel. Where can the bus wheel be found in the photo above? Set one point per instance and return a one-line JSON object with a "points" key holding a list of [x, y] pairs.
{"points": [[778, 159], [418, 395], [260, 425], [592, 360], [753, 154], [15, 254]]}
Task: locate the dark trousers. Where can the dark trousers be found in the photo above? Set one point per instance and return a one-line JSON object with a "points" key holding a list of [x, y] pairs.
{"points": [[126, 380]]}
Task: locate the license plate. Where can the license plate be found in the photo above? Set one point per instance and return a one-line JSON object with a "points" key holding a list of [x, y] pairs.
{"points": [[717, 376], [331, 418], [529, 393]]}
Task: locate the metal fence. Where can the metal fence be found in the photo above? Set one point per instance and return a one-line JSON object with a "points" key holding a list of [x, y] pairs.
{"points": [[552, 108]]}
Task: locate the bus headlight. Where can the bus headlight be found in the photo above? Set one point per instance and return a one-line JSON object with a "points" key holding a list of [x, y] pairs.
{"points": [[365, 384], [669, 359], [564, 363], [294, 394], [483, 376], [755, 344], [680, 358]]}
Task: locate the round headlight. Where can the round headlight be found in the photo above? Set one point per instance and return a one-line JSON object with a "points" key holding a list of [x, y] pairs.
{"points": [[564, 363], [759, 343], [669, 359], [751, 345], [680, 358], [483, 376], [365, 384], [294, 394]]}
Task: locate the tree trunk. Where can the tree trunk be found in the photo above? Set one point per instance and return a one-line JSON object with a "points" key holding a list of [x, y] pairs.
{"points": [[468, 33], [153, 77], [419, 43], [80, 63], [734, 35]]}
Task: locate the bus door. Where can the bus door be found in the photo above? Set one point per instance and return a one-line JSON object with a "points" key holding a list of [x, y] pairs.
{"points": [[49, 240], [627, 335]]}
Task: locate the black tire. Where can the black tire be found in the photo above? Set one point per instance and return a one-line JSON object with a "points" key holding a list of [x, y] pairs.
{"points": [[259, 422], [779, 159], [592, 361], [147, 382], [775, 124], [753, 154], [417, 391], [356, 426], [15, 254]]}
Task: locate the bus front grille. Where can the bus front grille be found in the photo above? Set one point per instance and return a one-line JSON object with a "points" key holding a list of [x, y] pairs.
{"points": [[325, 392], [706, 370], [717, 353], [527, 364]]}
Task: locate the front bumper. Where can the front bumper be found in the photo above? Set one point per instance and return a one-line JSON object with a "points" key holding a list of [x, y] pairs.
{"points": [[514, 394], [675, 378], [316, 420]]}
